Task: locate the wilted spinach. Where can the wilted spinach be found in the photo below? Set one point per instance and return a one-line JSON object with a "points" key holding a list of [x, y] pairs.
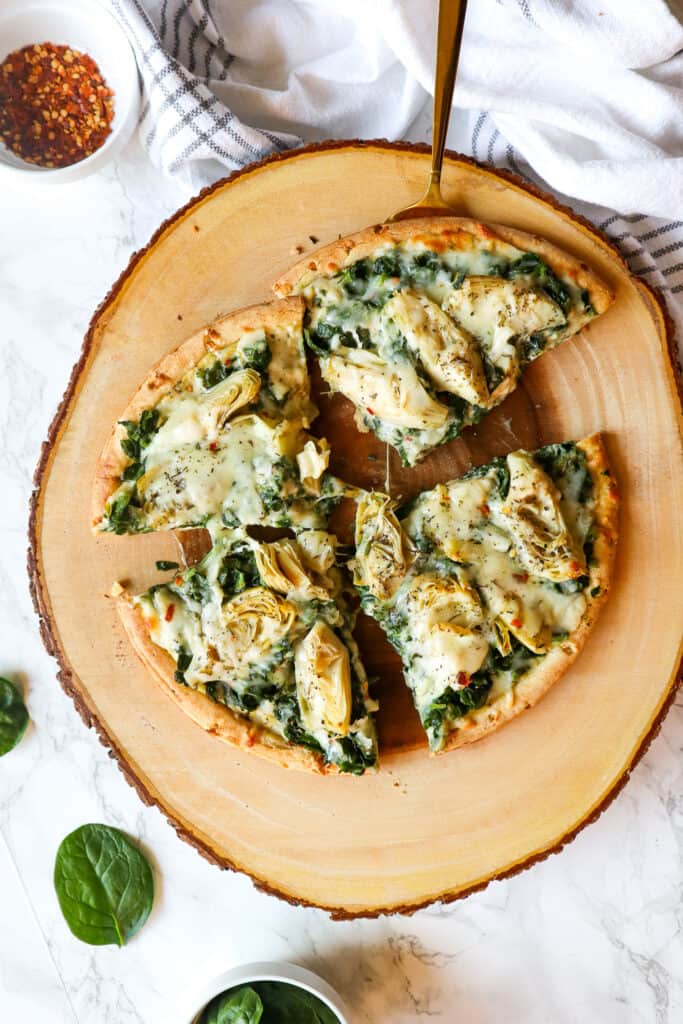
{"points": [[531, 265], [104, 885]]}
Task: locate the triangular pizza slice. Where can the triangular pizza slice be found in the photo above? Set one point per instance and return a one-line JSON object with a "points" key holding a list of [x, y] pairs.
{"points": [[488, 585], [218, 430], [427, 324], [254, 643]]}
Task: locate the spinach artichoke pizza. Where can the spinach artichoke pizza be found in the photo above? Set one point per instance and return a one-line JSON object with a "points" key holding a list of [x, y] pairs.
{"points": [[218, 429], [427, 324], [255, 644], [488, 585]]}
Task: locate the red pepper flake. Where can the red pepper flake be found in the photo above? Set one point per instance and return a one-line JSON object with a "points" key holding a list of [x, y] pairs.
{"points": [[516, 623], [170, 612], [178, 580], [213, 446], [227, 361], [368, 409], [55, 107], [463, 679], [485, 510], [521, 577]]}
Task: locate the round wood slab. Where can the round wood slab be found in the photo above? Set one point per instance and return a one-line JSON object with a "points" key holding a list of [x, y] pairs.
{"points": [[422, 828]]}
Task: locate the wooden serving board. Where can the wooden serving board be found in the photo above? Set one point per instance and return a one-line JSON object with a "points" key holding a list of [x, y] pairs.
{"points": [[422, 828]]}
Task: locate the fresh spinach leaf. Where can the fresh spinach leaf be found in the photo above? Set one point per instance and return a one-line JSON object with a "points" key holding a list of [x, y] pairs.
{"points": [[13, 716], [288, 1004], [104, 885], [236, 1006]]}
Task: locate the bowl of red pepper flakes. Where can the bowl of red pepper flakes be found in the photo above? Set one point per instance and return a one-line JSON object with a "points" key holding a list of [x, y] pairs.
{"points": [[69, 89]]}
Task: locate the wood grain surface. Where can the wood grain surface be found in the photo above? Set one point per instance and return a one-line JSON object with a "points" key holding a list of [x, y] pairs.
{"points": [[422, 828]]}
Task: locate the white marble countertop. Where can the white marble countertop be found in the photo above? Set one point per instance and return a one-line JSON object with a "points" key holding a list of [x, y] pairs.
{"points": [[592, 935]]}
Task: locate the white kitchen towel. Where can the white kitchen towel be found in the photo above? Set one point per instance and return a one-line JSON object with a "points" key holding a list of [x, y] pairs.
{"points": [[584, 96]]}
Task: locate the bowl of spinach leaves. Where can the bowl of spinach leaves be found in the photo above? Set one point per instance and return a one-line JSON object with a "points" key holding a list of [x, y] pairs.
{"points": [[269, 993]]}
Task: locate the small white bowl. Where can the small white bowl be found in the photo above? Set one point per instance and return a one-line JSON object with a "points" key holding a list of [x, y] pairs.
{"points": [[290, 974], [86, 26]]}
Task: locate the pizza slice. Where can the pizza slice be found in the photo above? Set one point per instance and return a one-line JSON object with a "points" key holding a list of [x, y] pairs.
{"points": [[254, 643], [218, 429], [488, 585], [426, 325]]}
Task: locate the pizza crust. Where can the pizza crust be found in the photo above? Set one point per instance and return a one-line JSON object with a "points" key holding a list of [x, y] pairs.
{"points": [[213, 717], [168, 371], [439, 232], [536, 683]]}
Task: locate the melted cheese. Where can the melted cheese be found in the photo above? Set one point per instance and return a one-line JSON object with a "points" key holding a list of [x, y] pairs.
{"points": [[198, 481]]}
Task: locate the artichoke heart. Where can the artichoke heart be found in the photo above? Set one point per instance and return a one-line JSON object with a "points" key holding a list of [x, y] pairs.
{"points": [[393, 393], [313, 460], [382, 549], [496, 309], [252, 622], [532, 513], [280, 567], [450, 355], [225, 399], [323, 681], [514, 617], [318, 549], [433, 599]]}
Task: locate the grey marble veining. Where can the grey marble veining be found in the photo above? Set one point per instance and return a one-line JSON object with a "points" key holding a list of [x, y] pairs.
{"points": [[592, 935]]}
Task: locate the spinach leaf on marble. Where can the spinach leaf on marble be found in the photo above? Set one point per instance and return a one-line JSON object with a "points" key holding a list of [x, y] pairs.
{"points": [[104, 885], [13, 716]]}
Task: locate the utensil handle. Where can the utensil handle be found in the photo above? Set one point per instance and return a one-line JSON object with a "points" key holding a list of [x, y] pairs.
{"points": [[448, 42]]}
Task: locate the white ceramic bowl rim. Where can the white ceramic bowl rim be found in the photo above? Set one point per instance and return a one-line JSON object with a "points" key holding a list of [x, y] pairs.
{"points": [[89, 26], [290, 974]]}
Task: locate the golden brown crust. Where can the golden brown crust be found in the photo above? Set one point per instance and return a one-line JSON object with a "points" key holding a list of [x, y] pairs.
{"points": [[539, 679], [451, 232], [168, 371], [213, 717]]}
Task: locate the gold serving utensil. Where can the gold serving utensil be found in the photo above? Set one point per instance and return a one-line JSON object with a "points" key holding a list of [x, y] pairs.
{"points": [[448, 43]]}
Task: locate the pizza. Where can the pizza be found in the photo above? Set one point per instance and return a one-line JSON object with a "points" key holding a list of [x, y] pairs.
{"points": [[488, 585], [218, 429], [427, 324], [255, 644]]}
